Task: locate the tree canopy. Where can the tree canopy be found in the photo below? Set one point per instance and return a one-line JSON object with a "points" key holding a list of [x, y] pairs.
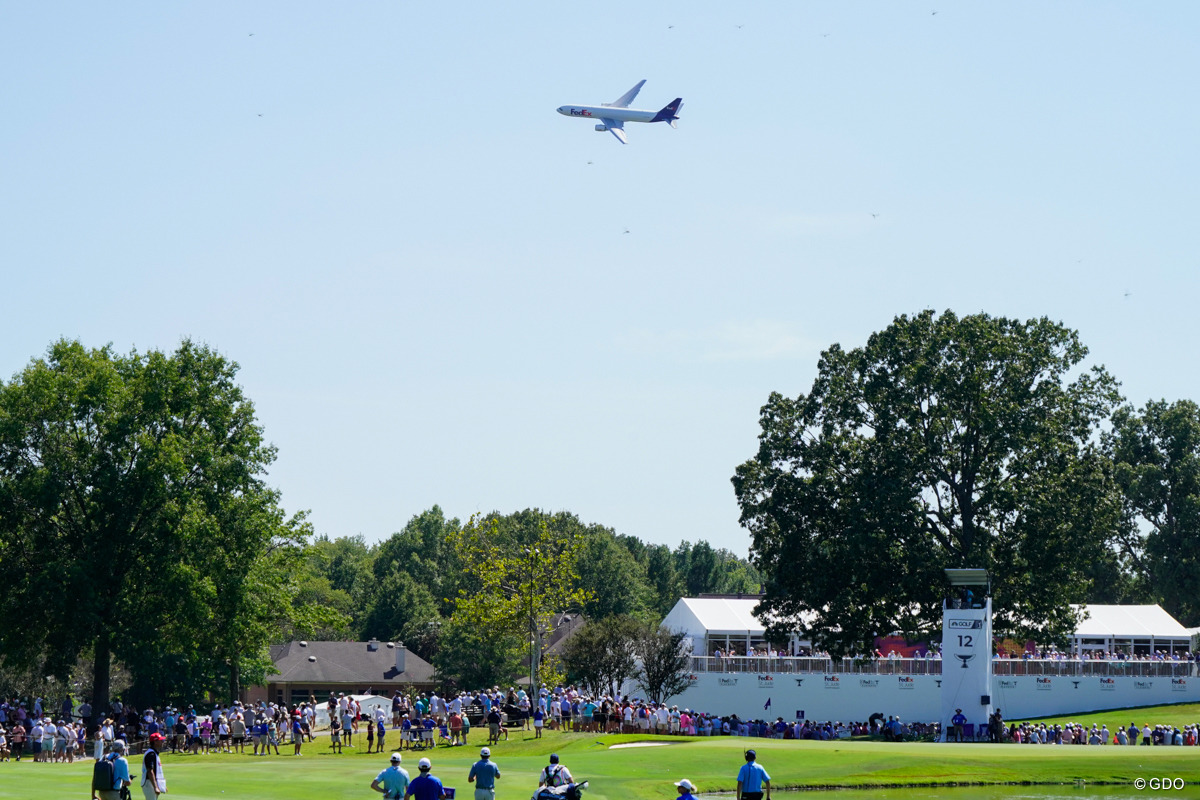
{"points": [[130, 488], [1157, 455], [944, 442]]}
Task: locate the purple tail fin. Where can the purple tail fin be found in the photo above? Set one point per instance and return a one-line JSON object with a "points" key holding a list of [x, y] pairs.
{"points": [[670, 112]]}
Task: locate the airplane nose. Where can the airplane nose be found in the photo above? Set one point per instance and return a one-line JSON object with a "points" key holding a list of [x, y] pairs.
{"points": [[561, 110]]}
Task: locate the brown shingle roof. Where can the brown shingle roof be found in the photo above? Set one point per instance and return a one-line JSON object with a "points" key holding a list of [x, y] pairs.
{"points": [[346, 662]]}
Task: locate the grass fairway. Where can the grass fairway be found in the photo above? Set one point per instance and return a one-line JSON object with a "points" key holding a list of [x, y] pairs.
{"points": [[1177, 715], [630, 773]]}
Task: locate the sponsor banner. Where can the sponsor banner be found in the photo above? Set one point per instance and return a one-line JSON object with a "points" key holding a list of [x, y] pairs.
{"points": [[1178, 685], [1143, 685], [906, 682], [765, 681], [799, 714], [832, 682], [1108, 685], [727, 682], [1008, 684], [964, 624], [693, 679], [1043, 684], [868, 683]]}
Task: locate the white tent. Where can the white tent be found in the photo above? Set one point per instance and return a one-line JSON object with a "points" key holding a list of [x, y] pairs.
{"points": [[1133, 628], [369, 703], [729, 622], [720, 622]]}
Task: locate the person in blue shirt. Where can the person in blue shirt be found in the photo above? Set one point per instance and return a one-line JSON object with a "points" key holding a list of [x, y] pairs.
{"points": [[405, 733], [424, 786], [958, 721], [753, 780], [685, 789], [393, 781], [484, 774], [121, 777]]}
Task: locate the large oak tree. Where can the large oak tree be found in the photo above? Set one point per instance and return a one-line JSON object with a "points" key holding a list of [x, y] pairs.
{"points": [[131, 501], [944, 442], [1157, 455]]}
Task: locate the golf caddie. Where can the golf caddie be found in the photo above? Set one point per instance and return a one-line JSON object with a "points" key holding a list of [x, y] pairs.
{"points": [[393, 781], [753, 782]]}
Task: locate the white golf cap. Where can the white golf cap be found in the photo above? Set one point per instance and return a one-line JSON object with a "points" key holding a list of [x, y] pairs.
{"points": [[395, 758], [424, 763], [485, 752], [686, 784]]}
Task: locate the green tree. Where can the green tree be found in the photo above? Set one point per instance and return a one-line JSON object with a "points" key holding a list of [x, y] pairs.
{"points": [[603, 653], [666, 587], [402, 609], [105, 462], [663, 665], [519, 571], [470, 656], [423, 551], [616, 580], [1157, 456], [944, 442]]}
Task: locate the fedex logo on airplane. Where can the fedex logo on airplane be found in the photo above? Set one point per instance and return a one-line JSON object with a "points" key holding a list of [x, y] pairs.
{"points": [[580, 112]]}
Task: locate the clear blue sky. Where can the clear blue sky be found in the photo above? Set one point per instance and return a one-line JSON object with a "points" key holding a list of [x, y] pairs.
{"points": [[430, 288]]}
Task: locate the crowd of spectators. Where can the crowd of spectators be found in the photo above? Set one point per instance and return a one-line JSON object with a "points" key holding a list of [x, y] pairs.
{"points": [[425, 720], [1075, 733], [28, 728], [25, 729]]}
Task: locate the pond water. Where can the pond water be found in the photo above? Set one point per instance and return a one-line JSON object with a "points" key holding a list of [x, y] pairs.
{"points": [[987, 793]]}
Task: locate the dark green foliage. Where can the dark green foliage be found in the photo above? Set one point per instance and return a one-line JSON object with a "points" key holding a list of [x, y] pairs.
{"points": [[471, 655], [1157, 462], [133, 516], [616, 580], [602, 654], [944, 442]]}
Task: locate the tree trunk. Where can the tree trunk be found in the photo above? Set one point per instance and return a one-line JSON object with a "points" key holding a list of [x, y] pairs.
{"points": [[235, 681], [101, 675]]}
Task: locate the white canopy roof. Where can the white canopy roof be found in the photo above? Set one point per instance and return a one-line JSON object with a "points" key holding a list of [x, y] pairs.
{"points": [[709, 617], [701, 617], [1129, 622]]}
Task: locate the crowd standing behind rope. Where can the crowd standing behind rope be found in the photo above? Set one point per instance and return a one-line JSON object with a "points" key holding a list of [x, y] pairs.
{"points": [[424, 720]]}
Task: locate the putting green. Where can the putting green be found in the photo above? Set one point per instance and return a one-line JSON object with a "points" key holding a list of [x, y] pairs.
{"points": [[627, 773]]}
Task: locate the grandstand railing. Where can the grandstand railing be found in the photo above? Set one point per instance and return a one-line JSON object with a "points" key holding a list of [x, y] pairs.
{"points": [[1005, 667]]}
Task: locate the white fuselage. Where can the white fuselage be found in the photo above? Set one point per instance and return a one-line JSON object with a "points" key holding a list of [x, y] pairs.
{"points": [[607, 112]]}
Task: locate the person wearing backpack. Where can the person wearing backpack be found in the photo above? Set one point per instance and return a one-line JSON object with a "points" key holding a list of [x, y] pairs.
{"points": [[111, 774], [554, 774]]}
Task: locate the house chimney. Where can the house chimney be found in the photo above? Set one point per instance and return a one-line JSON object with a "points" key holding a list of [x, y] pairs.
{"points": [[401, 651], [372, 645]]}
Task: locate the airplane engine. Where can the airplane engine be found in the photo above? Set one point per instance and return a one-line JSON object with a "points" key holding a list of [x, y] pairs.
{"points": [[601, 128]]}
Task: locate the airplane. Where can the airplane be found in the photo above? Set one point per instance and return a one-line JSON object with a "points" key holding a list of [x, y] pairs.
{"points": [[614, 115]]}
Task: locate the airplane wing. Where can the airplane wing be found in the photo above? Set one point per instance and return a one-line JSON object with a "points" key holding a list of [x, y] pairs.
{"points": [[624, 100], [617, 128]]}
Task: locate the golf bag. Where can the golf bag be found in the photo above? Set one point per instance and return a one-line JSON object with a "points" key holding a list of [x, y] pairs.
{"points": [[570, 791]]}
